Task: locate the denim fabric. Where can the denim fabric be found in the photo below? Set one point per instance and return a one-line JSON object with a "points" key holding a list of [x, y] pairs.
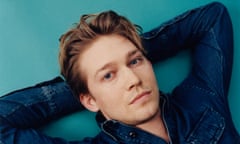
{"points": [[195, 112]]}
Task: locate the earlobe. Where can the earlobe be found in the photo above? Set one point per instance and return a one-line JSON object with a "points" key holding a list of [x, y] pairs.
{"points": [[88, 102]]}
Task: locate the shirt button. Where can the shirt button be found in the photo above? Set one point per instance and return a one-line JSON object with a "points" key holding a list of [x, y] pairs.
{"points": [[132, 134]]}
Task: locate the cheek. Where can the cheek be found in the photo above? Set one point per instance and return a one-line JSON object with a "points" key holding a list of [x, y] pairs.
{"points": [[147, 71], [105, 94], [151, 71], [148, 76]]}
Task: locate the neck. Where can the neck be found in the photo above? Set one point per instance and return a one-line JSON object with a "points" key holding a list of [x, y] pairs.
{"points": [[156, 126]]}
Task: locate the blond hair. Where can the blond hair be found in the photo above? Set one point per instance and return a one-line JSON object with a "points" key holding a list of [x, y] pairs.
{"points": [[73, 42]]}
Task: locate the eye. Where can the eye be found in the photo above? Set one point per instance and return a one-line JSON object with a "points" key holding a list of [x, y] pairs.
{"points": [[108, 76], [135, 61]]}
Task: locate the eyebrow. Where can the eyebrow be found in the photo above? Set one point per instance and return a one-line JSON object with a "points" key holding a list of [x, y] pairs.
{"points": [[129, 54]]}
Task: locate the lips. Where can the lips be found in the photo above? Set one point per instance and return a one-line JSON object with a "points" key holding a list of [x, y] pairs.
{"points": [[139, 96]]}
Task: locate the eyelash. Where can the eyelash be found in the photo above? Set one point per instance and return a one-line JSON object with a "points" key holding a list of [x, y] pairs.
{"points": [[105, 77], [135, 61]]}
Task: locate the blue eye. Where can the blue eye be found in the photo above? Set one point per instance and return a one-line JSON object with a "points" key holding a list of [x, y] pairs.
{"points": [[107, 76], [133, 62]]}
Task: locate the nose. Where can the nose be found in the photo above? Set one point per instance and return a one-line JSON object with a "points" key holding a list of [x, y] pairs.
{"points": [[131, 78]]}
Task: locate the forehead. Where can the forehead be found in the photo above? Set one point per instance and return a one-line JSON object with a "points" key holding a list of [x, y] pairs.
{"points": [[105, 49]]}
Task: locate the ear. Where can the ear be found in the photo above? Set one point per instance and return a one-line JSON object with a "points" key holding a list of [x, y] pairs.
{"points": [[89, 102]]}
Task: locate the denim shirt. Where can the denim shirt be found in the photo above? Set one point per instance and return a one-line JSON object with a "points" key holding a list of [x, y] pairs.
{"points": [[195, 112], [199, 124]]}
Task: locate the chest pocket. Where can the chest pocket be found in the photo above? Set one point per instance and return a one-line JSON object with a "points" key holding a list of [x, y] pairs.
{"points": [[209, 128]]}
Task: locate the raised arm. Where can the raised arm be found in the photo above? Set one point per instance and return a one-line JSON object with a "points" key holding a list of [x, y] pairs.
{"points": [[207, 31], [23, 110]]}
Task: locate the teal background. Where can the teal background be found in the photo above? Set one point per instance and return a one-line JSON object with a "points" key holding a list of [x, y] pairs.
{"points": [[29, 32]]}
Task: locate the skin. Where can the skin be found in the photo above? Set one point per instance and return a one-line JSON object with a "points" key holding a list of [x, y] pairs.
{"points": [[121, 83]]}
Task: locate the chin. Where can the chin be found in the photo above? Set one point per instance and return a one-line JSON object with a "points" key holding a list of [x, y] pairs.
{"points": [[150, 113]]}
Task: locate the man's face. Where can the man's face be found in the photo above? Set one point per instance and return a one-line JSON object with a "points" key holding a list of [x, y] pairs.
{"points": [[121, 81]]}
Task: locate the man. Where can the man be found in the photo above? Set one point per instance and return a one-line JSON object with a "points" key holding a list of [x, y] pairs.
{"points": [[105, 65]]}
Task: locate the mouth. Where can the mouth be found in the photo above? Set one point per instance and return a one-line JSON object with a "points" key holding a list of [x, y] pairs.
{"points": [[140, 96]]}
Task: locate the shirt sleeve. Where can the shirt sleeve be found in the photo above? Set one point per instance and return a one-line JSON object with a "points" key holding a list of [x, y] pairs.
{"points": [[25, 110]]}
